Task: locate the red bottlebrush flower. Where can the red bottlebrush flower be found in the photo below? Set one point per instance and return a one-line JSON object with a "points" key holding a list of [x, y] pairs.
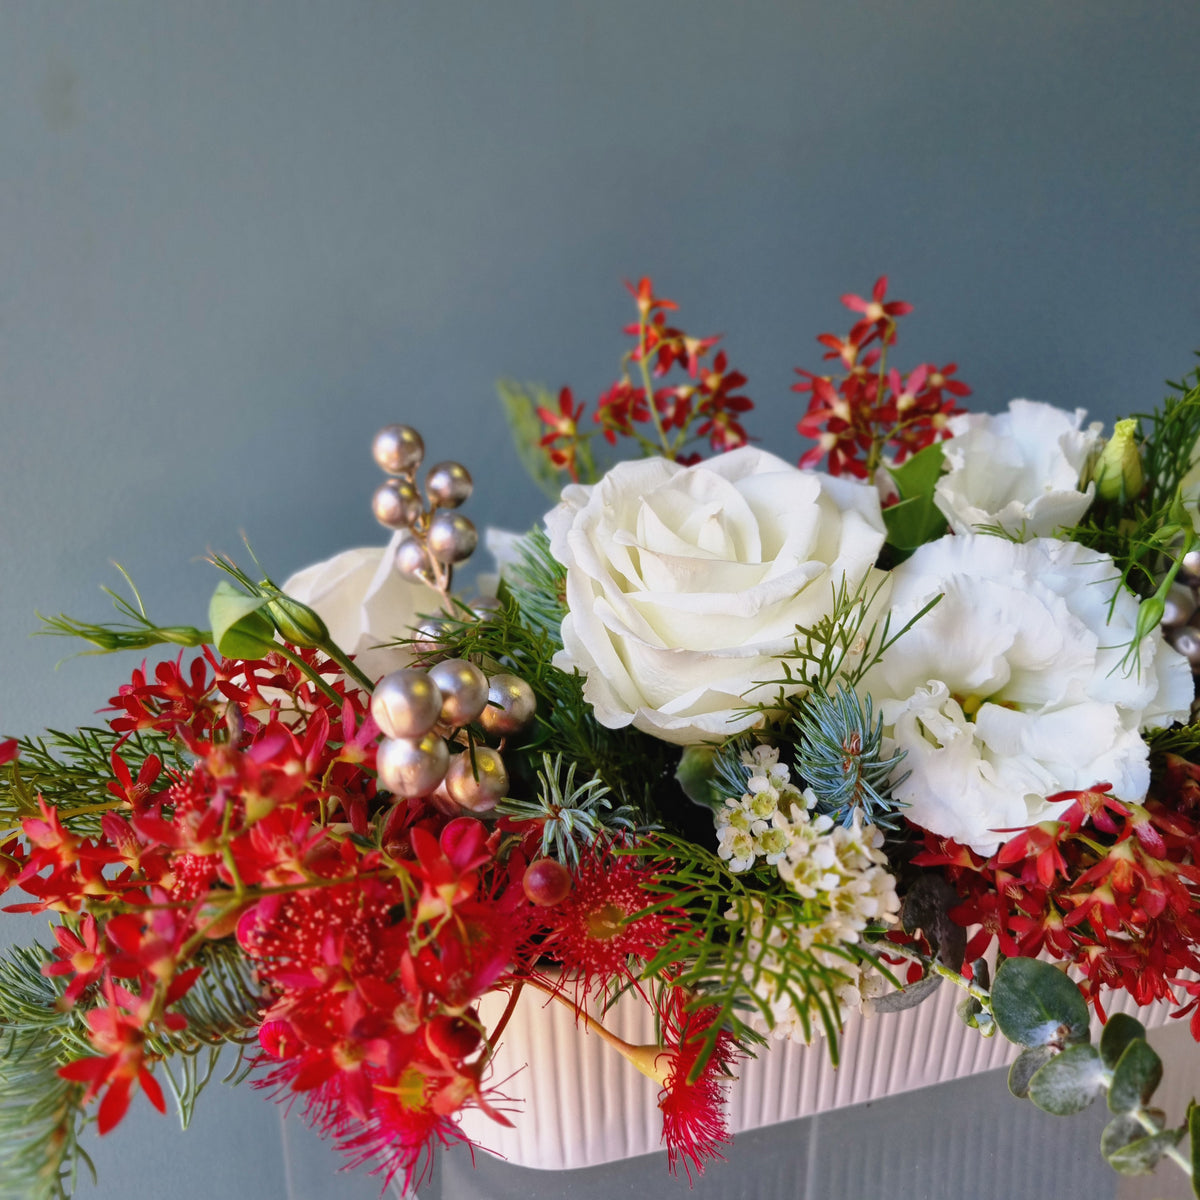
{"points": [[694, 1122], [9, 751], [597, 929]]}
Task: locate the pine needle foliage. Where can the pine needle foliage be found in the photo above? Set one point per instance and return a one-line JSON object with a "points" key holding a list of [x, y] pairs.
{"points": [[573, 814], [72, 770], [840, 756], [41, 1114], [740, 942], [537, 582]]}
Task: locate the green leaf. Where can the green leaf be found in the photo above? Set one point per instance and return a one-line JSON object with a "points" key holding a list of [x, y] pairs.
{"points": [[697, 775], [913, 522], [1118, 1033], [1069, 1082], [919, 474], [520, 410], [1036, 1004], [1138, 1155], [240, 629], [1137, 1073], [1025, 1066], [1193, 1127], [907, 997]]}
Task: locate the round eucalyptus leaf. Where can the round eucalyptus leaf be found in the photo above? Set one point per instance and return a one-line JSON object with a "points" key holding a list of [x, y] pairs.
{"points": [[1137, 1073], [1025, 1066], [1118, 1033], [1036, 1003], [1140, 1156], [1069, 1082]]}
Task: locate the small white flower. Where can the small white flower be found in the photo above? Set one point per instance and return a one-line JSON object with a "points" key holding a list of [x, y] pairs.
{"points": [[1019, 470]]}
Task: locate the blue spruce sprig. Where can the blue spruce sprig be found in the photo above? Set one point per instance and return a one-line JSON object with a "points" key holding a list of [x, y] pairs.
{"points": [[840, 756]]}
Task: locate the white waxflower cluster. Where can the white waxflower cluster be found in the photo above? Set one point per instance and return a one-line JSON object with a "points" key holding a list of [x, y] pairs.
{"points": [[841, 870], [756, 825]]}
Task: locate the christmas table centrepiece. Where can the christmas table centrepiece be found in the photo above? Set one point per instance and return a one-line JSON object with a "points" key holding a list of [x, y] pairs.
{"points": [[730, 753]]}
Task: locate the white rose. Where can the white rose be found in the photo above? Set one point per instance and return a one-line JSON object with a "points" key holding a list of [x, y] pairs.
{"points": [[1019, 470], [1012, 689], [684, 584], [365, 604]]}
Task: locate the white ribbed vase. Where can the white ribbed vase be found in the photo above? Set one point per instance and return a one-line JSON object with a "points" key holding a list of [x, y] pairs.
{"points": [[583, 1104]]}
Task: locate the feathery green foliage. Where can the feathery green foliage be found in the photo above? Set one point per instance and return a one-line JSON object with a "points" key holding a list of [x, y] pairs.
{"points": [[73, 770], [41, 1115], [840, 756], [740, 943]]}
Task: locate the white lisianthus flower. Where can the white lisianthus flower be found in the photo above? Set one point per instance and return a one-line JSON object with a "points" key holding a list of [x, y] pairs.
{"points": [[1013, 689], [684, 584], [1019, 470], [365, 603]]}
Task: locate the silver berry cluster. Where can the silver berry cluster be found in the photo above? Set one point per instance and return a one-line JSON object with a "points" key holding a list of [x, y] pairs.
{"points": [[437, 536], [421, 715]]}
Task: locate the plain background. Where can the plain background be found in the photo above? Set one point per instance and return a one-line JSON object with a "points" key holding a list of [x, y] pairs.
{"points": [[235, 238]]}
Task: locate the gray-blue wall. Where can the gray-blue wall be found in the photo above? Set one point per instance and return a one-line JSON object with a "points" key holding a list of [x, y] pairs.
{"points": [[237, 237]]}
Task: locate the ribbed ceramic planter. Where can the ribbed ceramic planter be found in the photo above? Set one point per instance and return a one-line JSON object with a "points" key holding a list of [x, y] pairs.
{"points": [[585, 1105]]}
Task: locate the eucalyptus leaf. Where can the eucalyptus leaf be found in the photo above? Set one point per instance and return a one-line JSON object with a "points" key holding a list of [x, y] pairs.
{"points": [[1119, 1133], [1139, 1157], [1069, 1082], [907, 997], [1120, 1030], [240, 628], [1025, 1066], [1137, 1073], [1035, 1004], [1193, 1126]]}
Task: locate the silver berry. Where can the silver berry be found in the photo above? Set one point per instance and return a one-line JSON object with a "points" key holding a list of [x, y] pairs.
{"points": [[412, 767], [406, 704], [398, 449], [511, 705], [452, 537], [477, 781], [448, 485], [396, 504], [464, 689]]}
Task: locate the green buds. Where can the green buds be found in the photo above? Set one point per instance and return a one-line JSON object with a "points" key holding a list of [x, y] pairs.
{"points": [[1118, 471]]}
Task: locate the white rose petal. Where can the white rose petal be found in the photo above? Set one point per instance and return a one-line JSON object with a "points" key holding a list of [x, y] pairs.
{"points": [[1019, 470], [1012, 689], [684, 584], [365, 603]]}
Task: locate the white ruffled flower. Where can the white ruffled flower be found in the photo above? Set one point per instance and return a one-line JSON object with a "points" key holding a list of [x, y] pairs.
{"points": [[1013, 688], [1019, 470], [365, 603], [685, 584]]}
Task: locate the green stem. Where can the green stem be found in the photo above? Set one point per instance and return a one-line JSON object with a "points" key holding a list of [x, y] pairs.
{"points": [[648, 384], [312, 674], [333, 651]]}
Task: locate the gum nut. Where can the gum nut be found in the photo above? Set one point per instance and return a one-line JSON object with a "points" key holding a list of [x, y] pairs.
{"points": [[464, 689], [448, 485], [511, 705], [452, 538], [412, 767], [477, 786], [398, 449], [396, 504], [406, 704], [412, 560]]}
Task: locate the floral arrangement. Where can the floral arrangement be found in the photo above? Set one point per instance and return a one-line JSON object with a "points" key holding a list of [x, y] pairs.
{"points": [[758, 745]]}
